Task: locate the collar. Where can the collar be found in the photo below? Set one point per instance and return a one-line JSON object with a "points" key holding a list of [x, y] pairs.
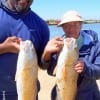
{"points": [[80, 41]]}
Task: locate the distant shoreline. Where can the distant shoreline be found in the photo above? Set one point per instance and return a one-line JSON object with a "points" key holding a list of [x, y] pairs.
{"points": [[55, 22]]}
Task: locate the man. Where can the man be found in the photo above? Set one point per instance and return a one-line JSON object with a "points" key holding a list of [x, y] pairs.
{"points": [[17, 22], [88, 65]]}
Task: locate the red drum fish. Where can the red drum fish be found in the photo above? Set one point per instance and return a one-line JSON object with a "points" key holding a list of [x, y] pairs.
{"points": [[66, 76], [27, 72]]}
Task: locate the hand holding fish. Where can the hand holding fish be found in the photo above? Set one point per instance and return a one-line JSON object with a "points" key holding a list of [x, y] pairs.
{"points": [[79, 66], [53, 46], [11, 44]]}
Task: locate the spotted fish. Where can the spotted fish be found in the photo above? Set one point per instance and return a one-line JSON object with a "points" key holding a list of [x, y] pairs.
{"points": [[66, 77], [27, 72]]}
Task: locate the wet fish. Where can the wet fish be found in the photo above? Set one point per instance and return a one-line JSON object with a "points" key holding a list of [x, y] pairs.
{"points": [[65, 75], [27, 72]]}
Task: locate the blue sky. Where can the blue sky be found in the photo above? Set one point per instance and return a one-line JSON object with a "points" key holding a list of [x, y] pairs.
{"points": [[54, 9]]}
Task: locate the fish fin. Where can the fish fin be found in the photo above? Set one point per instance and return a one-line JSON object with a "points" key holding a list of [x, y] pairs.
{"points": [[54, 72]]}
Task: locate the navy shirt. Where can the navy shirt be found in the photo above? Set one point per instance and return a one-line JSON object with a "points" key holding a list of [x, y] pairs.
{"points": [[27, 26]]}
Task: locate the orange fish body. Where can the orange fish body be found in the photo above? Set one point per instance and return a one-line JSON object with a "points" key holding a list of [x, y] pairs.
{"points": [[27, 72], [65, 75]]}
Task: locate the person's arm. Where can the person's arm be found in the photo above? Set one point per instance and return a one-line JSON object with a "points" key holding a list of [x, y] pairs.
{"points": [[92, 63], [52, 47], [11, 45]]}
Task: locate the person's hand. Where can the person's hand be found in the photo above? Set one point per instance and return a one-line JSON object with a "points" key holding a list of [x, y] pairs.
{"points": [[11, 44], [79, 66], [53, 46]]}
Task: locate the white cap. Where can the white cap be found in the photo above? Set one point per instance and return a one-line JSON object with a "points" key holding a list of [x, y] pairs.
{"points": [[70, 16]]}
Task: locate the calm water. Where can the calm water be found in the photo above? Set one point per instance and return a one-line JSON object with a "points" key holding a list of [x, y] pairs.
{"points": [[57, 31]]}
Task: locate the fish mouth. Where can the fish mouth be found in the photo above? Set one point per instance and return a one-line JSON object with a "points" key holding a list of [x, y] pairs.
{"points": [[26, 44], [70, 43]]}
